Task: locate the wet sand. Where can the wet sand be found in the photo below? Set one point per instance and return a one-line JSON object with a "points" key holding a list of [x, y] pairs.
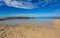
{"points": [[30, 30]]}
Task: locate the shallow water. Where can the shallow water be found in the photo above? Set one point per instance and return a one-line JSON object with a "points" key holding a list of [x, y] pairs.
{"points": [[31, 21]]}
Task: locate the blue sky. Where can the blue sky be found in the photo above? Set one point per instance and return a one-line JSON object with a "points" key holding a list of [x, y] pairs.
{"points": [[30, 8]]}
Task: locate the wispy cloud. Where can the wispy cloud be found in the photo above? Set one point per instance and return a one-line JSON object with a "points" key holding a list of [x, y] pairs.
{"points": [[27, 4], [55, 13]]}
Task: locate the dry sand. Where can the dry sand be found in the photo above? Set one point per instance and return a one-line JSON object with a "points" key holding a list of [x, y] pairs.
{"points": [[26, 31]]}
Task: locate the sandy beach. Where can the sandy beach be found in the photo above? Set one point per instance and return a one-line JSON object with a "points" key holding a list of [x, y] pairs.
{"points": [[30, 31]]}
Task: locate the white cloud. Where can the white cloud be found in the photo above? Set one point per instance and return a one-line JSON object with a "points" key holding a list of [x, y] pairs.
{"points": [[0, 0], [27, 4], [20, 4], [0, 3]]}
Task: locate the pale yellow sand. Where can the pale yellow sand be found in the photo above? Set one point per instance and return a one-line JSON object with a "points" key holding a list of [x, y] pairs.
{"points": [[26, 31], [56, 24]]}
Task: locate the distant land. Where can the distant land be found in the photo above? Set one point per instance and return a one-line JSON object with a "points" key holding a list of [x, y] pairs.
{"points": [[7, 18]]}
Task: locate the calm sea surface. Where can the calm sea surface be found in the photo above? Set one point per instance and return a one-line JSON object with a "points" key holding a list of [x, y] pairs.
{"points": [[32, 21]]}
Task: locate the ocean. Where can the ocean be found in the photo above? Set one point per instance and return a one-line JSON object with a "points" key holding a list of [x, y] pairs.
{"points": [[39, 21]]}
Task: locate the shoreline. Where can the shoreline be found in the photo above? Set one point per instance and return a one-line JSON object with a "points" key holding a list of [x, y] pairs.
{"points": [[30, 31]]}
